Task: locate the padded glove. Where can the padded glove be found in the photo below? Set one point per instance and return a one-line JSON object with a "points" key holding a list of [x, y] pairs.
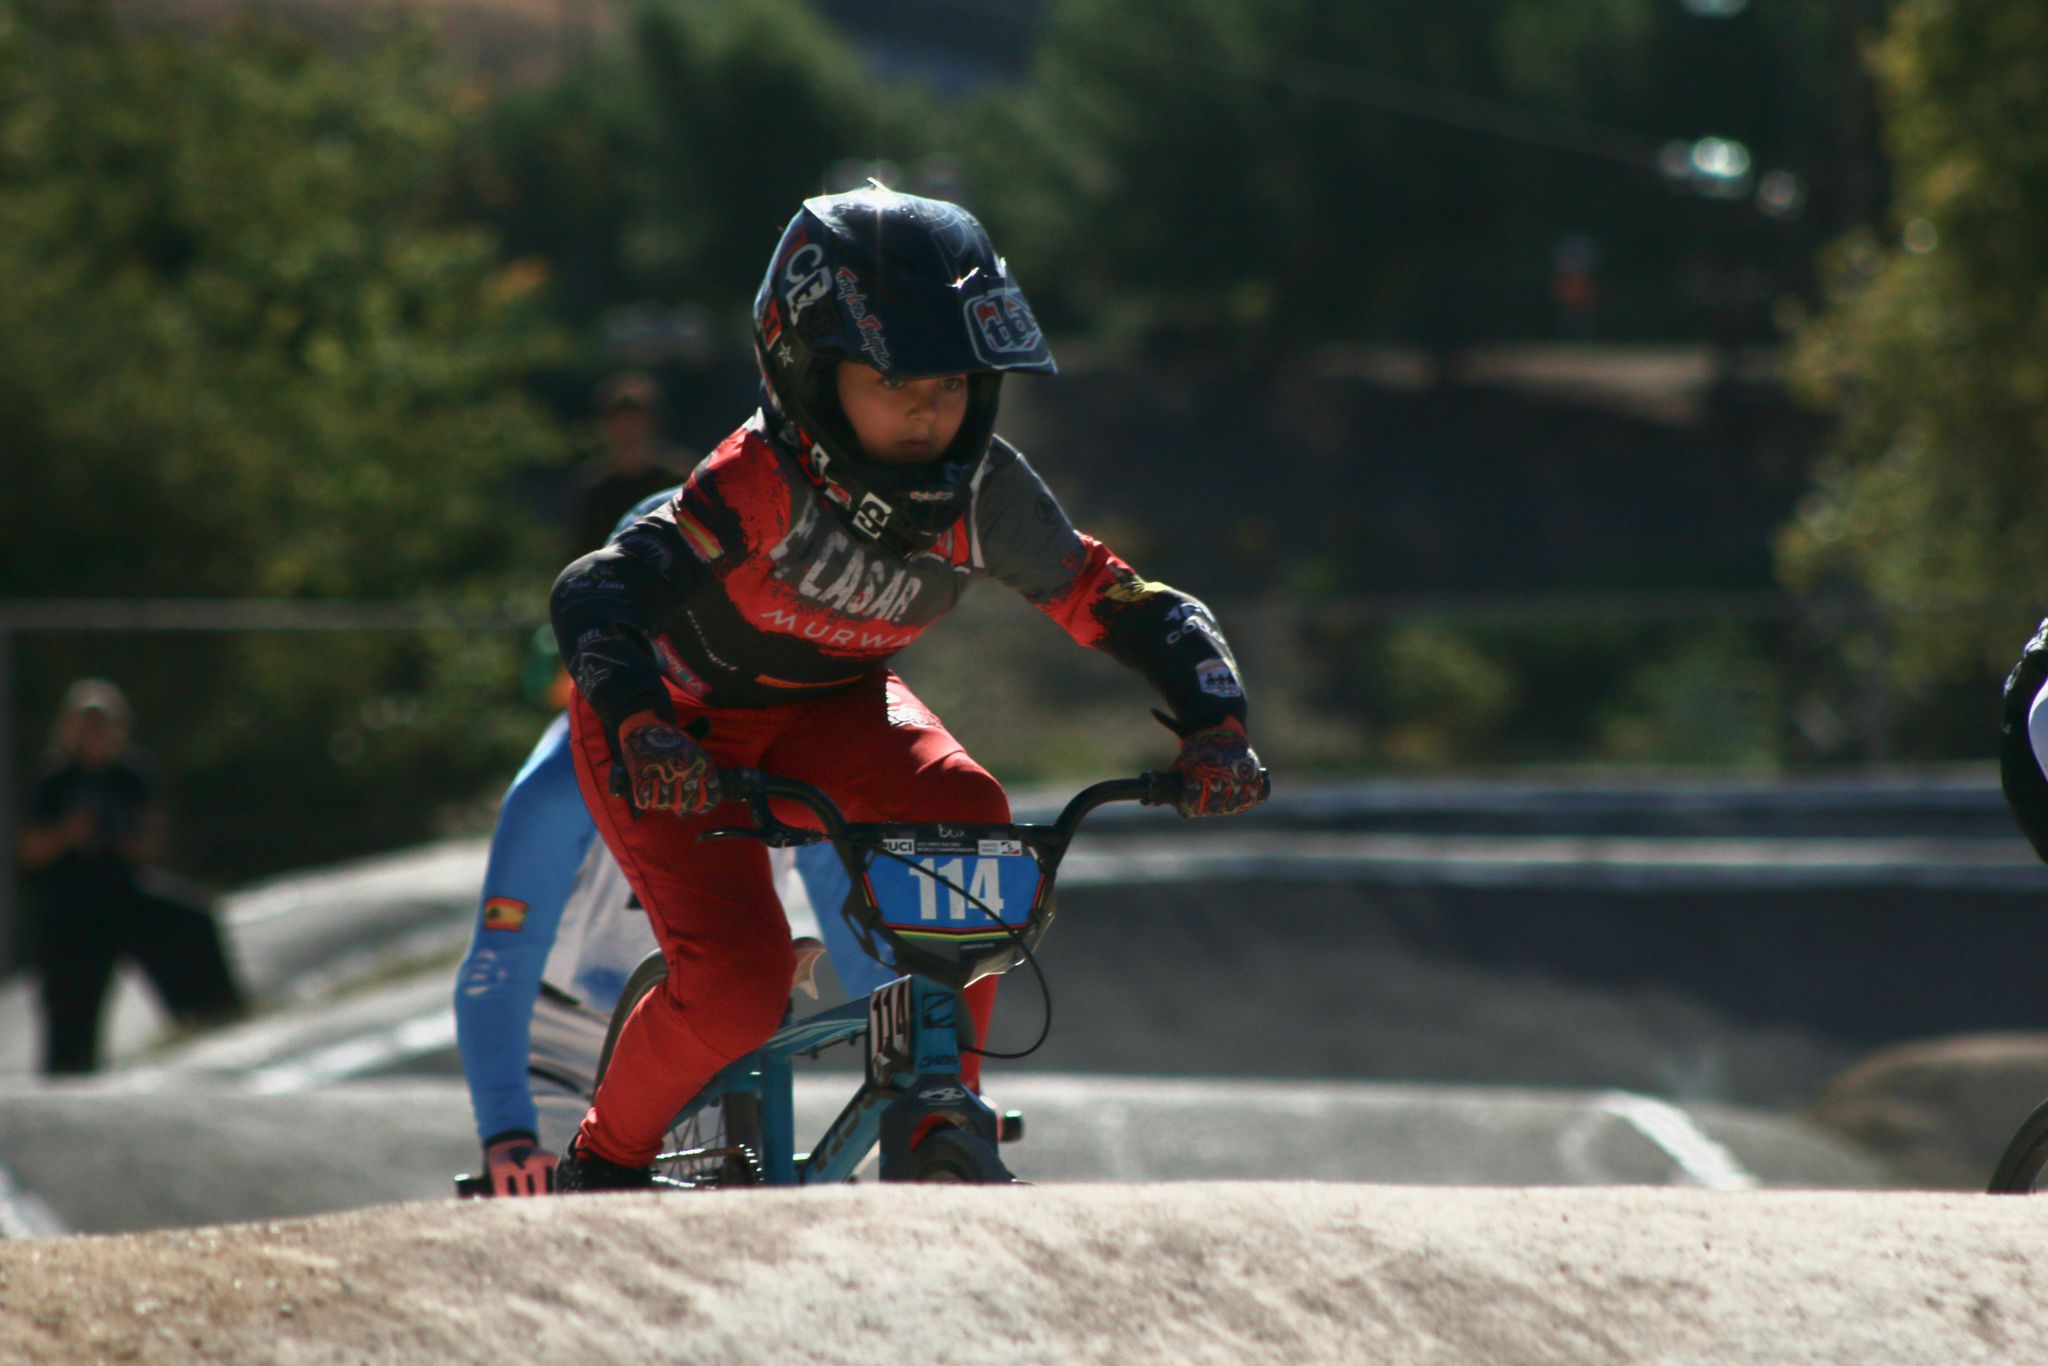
{"points": [[517, 1165], [665, 770], [1219, 773]]}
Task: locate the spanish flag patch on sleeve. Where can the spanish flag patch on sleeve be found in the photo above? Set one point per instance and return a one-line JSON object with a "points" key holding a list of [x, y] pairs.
{"points": [[699, 536], [503, 913]]}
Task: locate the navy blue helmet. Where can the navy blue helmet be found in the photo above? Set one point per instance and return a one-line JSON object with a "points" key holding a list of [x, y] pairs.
{"points": [[913, 288]]}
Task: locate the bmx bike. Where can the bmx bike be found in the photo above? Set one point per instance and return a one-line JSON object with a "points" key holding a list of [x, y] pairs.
{"points": [[945, 904]]}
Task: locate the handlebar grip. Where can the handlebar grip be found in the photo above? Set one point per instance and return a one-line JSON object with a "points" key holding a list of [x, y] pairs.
{"points": [[1164, 789], [739, 784]]}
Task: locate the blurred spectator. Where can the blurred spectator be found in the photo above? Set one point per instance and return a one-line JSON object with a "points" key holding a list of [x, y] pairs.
{"points": [[635, 461], [95, 830]]}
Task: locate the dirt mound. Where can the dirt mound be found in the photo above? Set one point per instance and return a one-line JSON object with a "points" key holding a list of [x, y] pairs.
{"points": [[1059, 1274], [1939, 1112]]}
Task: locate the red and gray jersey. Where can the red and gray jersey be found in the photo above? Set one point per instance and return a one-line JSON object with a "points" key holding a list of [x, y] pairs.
{"points": [[749, 589]]}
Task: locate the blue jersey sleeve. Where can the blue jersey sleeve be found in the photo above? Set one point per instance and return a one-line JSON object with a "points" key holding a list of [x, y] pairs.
{"points": [[543, 833], [825, 883], [653, 502]]}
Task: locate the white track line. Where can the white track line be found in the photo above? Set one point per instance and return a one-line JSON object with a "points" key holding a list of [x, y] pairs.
{"points": [[353, 1057], [1702, 1160]]}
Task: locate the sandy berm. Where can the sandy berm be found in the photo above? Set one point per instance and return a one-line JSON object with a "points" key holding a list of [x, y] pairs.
{"points": [[1191, 1272]]}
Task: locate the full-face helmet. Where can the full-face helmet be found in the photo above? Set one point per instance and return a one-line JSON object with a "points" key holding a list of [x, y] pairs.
{"points": [[914, 288]]}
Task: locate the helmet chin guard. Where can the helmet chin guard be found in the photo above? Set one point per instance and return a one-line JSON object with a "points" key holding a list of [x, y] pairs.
{"points": [[914, 288]]}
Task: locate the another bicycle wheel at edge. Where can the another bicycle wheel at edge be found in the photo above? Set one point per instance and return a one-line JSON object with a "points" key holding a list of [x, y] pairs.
{"points": [[2019, 1171], [719, 1144]]}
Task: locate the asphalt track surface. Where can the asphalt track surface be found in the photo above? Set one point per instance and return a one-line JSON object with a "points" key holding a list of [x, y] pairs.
{"points": [[188, 1155]]}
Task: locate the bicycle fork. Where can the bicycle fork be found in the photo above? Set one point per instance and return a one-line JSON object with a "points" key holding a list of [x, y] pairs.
{"points": [[913, 1084]]}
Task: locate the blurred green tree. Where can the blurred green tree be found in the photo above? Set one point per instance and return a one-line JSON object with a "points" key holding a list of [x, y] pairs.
{"points": [[664, 166], [247, 349], [1242, 174], [1933, 351], [1175, 178]]}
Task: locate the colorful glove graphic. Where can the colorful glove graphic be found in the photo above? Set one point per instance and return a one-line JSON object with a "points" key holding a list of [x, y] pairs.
{"points": [[665, 769], [1219, 772]]}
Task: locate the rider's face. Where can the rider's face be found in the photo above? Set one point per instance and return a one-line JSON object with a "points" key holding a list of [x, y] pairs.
{"points": [[904, 421]]}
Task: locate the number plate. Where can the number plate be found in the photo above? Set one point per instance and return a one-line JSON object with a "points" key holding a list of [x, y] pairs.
{"points": [[889, 1030], [956, 892]]}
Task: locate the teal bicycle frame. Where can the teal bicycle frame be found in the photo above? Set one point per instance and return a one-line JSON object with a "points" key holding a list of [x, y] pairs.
{"points": [[915, 1026]]}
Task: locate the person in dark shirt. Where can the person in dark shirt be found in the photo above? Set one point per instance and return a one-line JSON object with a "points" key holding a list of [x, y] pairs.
{"points": [[636, 462], [94, 833], [750, 623]]}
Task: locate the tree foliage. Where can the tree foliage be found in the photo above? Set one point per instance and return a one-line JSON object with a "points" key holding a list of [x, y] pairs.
{"points": [[1933, 350], [1252, 174], [665, 166], [246, 350], [236, 314]]}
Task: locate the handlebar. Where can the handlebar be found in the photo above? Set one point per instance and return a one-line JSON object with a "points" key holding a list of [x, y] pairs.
{"points": [[757, 788], [960, 959]]}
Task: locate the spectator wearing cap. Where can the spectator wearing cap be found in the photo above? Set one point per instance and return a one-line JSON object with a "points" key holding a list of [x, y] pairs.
{"points": [[90, 847], [634, 463]]}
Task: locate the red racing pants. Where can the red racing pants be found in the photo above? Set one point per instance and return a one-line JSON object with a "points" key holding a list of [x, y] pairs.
{"points": [[876, 751]]}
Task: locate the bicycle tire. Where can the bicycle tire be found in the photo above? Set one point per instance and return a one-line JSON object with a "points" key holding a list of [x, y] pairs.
{"points": [[2021, 1165], [719, 1144], [956, 1155]]}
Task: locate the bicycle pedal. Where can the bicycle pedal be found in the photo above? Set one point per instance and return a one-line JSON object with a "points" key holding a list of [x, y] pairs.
{"points": [[1011, 1127]]}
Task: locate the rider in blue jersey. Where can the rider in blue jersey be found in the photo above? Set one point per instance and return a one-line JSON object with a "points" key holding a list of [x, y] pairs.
{"points": [[556, 935]]}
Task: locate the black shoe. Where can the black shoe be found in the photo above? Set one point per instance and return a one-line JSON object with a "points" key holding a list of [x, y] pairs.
{"points": [[581, 1172]]}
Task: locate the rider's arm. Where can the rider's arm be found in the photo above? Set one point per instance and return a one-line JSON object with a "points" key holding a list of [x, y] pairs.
{"points": [[1024, 539], [604, 608], [609, 607], [542, 834]]}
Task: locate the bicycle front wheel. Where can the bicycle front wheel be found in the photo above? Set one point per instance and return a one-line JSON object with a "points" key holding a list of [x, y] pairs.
{"points": [[717, 1143], [956, 1155]]}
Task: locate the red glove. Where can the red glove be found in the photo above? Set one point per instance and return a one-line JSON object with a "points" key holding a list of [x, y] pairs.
{"points": [[1219, 773], [665, 770], [517, 1165]]}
